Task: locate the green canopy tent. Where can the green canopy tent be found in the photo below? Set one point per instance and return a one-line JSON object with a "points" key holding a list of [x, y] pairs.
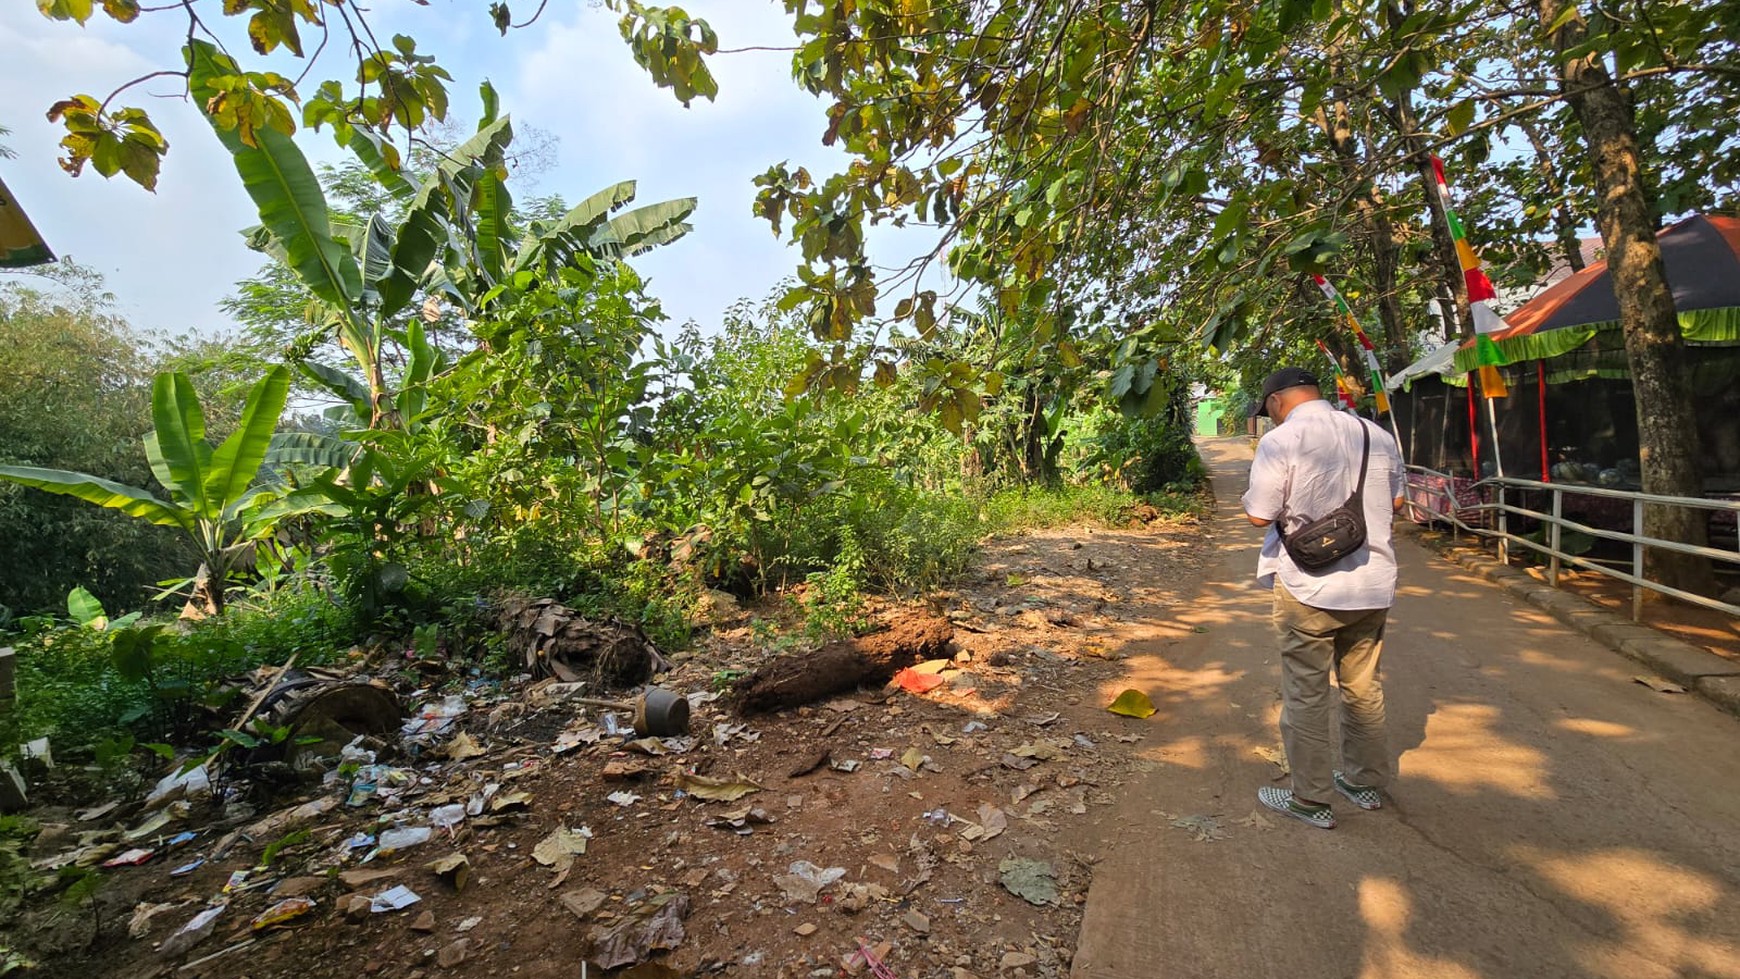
{"points": [[20, 244]]}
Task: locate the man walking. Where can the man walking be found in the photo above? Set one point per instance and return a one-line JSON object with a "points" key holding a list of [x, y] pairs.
{"points": [[1330, 619]]}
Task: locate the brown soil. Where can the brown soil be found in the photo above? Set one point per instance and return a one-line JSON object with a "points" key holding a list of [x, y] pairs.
{"points": [[1716, 631], [1038, 630]]}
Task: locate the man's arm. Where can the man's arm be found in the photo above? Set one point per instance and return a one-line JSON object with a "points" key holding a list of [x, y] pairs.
{"points": [[1266, 493]]}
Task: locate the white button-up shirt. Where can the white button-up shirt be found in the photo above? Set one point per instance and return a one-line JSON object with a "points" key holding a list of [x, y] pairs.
{"points": [[1307, 467]]}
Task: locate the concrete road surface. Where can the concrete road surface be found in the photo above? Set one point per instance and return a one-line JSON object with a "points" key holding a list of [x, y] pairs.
{"points": [[1551, 816]]}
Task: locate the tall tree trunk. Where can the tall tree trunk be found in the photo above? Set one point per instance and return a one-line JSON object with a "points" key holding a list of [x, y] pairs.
{"points": [[1654, 350]]}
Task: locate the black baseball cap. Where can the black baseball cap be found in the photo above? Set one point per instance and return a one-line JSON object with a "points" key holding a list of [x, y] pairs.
{"points": [[1281, 380]]}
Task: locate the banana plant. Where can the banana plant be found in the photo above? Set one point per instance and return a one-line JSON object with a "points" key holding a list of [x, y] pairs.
{"points": [[457, 238], [214, 494]]}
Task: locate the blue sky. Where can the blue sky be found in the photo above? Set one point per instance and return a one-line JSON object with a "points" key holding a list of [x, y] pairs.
{"points": [[170, 256]]}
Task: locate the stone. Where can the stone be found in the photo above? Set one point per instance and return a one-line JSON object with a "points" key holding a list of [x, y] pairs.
{"points": [[355, 907], [1016, 960], [917, 922], [804, 930], [452, 953], [425, 922]]}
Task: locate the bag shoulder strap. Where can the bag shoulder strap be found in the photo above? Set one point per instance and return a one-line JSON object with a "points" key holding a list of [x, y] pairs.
{"points": [[1364, 457]]}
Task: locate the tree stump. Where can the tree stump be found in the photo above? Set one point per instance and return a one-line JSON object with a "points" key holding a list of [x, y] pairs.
{"points": [[556, 640]]}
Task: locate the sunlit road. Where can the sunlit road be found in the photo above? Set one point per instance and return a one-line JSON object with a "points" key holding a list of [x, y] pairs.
{"points": [[1551, 818]]}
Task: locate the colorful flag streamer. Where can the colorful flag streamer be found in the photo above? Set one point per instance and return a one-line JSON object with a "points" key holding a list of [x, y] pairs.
{"points": [[1480, 292], [1371, 362], [1343, 387]]}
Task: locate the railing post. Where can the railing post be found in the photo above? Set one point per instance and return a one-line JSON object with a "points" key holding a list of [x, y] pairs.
{"points": [[1503, 529], [1553, 539], [1637, 560]]}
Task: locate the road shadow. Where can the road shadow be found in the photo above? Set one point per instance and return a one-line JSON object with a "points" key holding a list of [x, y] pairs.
{"points": [[1551, 818]]}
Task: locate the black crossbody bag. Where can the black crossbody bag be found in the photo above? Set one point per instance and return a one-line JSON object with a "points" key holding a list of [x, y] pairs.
{"points": [[1322, 542]]}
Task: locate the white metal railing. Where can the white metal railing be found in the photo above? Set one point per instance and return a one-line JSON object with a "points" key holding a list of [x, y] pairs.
{"points": [[1555, 522]]}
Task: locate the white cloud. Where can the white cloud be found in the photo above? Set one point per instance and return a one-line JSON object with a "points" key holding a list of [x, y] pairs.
{"points": [[171, 255]]}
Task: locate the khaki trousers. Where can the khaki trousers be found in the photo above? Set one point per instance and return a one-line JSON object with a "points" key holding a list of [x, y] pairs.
{"points": [[1314, 642]]}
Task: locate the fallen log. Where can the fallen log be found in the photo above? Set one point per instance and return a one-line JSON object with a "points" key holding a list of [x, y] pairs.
{"points": [[872, 660]]}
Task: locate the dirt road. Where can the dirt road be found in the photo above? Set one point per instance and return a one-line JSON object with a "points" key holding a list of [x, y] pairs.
{"points": [[1551, 818]]}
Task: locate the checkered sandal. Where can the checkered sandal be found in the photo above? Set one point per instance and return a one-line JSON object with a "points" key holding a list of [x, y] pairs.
{"points": [[1362, 796], [1282, 801]]}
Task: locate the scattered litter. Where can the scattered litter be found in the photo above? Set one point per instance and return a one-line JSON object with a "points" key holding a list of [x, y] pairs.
{"points": [[912, 681], [359, 841], [187, 868], [1658, 684], [623, 798], [283, 912], [848, 765], [448, 816], [178, 785], [180, 839], [132, 858], [806, 881], [1031, 880], [238, 880], [140, 924], [404, 837], [454, 868], [393, 899], [1203, 829], [1132, 703], [1084, 741], [881, 754], [469, 923], [654, 925], [938, 817], [973, 727], [715, 789], [436, 718], [1041, 720], [197, 930]]}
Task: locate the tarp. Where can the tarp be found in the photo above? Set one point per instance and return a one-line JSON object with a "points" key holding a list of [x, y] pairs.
{"points": [[1439, 361], [20, 245], [1701, 256]]}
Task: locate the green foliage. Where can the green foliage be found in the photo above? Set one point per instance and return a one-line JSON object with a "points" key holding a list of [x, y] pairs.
{"points": [[212, 494]]}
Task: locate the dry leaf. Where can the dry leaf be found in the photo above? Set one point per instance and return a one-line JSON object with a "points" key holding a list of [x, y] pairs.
{"points": [[912, 759], [462, 747], [1277, 757], [1042, 750], [1658, 684], [1132, 703], [453, 868], [993, 819], [716, 789], [559, 849]]}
